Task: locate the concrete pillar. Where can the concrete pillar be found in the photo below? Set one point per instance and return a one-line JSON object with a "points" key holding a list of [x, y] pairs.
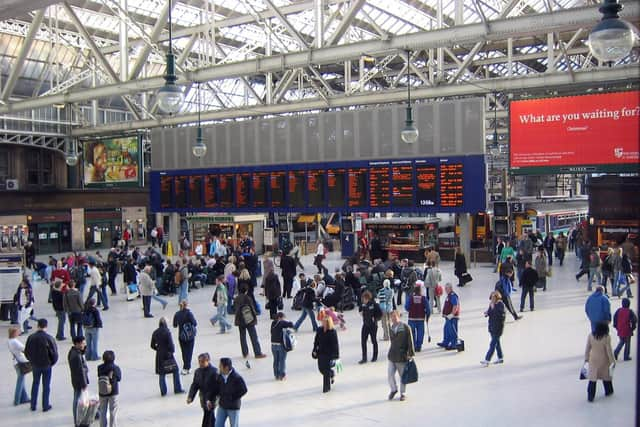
{"points": [[465, 236], [174, 232], [159, 222], [77, 229]]}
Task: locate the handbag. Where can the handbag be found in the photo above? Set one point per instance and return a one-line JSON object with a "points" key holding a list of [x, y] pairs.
{"points": [[410, 373], [584, 371], [466, 278], [169, 365], [439, 290], [631, 279], [25, 367], [280, 303]]}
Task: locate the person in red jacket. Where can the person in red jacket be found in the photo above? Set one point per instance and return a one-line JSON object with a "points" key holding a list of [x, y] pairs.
{"points": [[60, 273], [625, 322]]}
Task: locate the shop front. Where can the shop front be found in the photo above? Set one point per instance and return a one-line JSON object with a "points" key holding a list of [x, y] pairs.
{"points": [[134, 219], [14, 233], [103, 228], [50, 232], [230, 228], [403, 237]]}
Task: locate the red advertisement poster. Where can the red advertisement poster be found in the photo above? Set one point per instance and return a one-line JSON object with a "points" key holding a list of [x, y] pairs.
{"points": [[586, 133]]}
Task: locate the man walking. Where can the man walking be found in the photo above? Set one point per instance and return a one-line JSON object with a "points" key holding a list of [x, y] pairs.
{"points": [[95, 281], [597, 307], [400, 352], [505, 287], [371, 314], [42, 352], [205, 381], [231, 388], [288, 265], [79, 371], [528, 283]]}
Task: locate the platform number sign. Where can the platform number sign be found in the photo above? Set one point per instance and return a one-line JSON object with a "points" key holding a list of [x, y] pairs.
{"points": [[517, 207]]}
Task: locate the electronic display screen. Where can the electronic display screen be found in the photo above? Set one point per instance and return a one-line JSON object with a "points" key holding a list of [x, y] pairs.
{"points": [[427, 192], [195, 191], [379, 187], [451, 185], [315, 187], [402, 181], [335, 184], [226, 190], [211, 191], [358, 187], [165, 191], [296, 188], [277, 188], [259, 183], [181, 191], [243, 181]]}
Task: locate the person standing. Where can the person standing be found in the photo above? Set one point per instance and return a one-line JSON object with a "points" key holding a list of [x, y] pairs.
{"points": [[95, 284], [451, 313], [542, 269], [460, 266], [548, 245], [497, 315], [308, 301], [41, 350], [385, 298], [182, 273], [79, 372], [326, 350], [60, 273], [16, 348], [92, 323], [419, 310], [598, 308], [431, 282], [221, 300], [72, 303], [231, 389], [205, 382], [146, 286], [594, 268], [109, 377], [400, 352], [57, 301], [505, 286], [24, 302], [497, 252], [112, 270], [320, 254], [599, 356], [277, 346], [186, 323], [129, 272], [272, 290], [528, 283], [288, 266], [371, 314], [162, 344], [246, 320], [625, 322]]}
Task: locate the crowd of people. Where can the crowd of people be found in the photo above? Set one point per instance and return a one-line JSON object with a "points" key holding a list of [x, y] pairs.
{"points": [[376, 287]]}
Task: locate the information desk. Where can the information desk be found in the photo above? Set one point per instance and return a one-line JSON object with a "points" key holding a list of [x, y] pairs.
{"points": [[425, 185]]}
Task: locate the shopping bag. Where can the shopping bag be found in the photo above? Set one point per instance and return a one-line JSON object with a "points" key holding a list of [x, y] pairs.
{"points": [[584, 371], [410, 372], [465, 278], [87, 409]]}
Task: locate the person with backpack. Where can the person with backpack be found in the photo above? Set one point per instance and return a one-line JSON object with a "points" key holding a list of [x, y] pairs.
{"points": [[385, 299], [220, 300], [72, 304], [625, 322], [92, 323], [205, 382], [246, 320], [371, 315], [308, 302], [79, 372], [186, 323], [497, 315], [109, 377], [419, 309], [279, 347]]}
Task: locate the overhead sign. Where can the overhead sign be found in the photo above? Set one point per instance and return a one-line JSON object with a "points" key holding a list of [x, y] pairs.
{"points": [[112, 162], [575, 134]]}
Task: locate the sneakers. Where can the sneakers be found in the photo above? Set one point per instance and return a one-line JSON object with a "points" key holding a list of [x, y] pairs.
{"points": [[484, 363], [499, 361], [185, 372]]}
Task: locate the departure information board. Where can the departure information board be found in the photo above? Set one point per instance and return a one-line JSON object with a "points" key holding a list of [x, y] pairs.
{"points": [[195, 191], [358, 187], [425, 185], [451, 185], [402, 181], [211, 191], [335, 184]]}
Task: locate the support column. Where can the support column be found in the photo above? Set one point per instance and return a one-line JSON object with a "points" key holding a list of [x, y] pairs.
{"points": [[124, 46], [319, 16], [465, 236], [77, 229], [174, 232]]}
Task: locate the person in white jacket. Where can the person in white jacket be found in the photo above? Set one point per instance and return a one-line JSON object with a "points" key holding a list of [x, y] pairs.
{"points": [[146, 286], [431, 282]]}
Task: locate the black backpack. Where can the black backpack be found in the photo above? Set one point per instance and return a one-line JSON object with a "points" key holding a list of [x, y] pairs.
{"points": [[78, 274]]}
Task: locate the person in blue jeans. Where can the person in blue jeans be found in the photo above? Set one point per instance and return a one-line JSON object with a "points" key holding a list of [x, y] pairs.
{"points": [[184, 285], [497, 315], [162, 343], [16, 348], [41, 350], [307, 307], [231, 388], [277, 346], [92, 323], [419, 310], [221, 300], [451, 312]]}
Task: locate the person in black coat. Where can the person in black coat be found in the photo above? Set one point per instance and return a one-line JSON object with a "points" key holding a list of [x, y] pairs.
{"points": [[288, 265], [246, 320], [272, 290], [162, 343], [112, 270], [497, 315], [460, 266], [186, 324], [326, 350], [528, 284], [79, 371], [205, 381], [231, 388], [277, 346], [41, 350], [129, 272]]}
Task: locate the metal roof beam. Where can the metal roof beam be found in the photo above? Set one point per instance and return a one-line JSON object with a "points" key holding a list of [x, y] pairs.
{"points": [[346, 21], [155, 34]]}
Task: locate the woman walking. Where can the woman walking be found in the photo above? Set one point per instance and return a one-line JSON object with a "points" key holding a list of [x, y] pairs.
{"points": [[92, 323], [497, 315], [599, 356], [16, 348], [186, 324], [326, 350], [277, 346], [542, 268], [460, 266], [162, 344]]}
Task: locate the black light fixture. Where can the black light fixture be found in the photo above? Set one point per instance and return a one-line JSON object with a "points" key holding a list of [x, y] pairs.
{"points": [[409, 134], [199, 149], [70, 144], [612, 39], [170, 96]]}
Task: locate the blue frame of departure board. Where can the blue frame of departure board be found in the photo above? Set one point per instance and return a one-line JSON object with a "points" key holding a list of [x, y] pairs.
{"points": [[474, 193]]}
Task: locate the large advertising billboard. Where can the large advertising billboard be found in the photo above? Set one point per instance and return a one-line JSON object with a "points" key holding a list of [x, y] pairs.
{"points": [[575, 134], [112, 162]]}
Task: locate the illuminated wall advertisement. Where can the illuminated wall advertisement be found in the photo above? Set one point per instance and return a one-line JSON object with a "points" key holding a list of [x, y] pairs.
{"points": [[112, 162], [575, 134]]}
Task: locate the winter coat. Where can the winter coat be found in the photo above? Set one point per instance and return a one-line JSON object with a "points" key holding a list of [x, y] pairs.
{"points": [[78, 369], [230, 390], [240, 301], [598, 308], [181, 318], [529, 278], [146, 285], [600, 356], [41, 350], [625, 322], [325, 344], [104, 370], [497, 316], [288, 265], [272, 288], [72, 301], [205, 381], [385, 296], [57, 299], [95, 314], [541, 266], [276, 330], [129, 273], [460, 265], [401, 347], [162, 343]]}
